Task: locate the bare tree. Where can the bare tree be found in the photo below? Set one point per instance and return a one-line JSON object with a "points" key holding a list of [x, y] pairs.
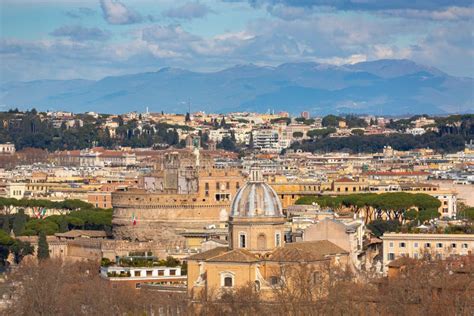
{"points": [[53, 287]]}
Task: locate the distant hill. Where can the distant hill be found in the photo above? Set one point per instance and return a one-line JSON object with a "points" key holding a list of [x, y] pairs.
{"points": [[377, 87]]}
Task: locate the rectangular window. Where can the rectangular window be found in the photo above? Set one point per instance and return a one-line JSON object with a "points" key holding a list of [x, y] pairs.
{"points": [[136, 273], [228, 282], [161, 272], [173, 272], [415, 245], [415, 255], [464, 246], [439, 245], [453, 245], [277, 240], [242, 241], [402, 245], [149, 272], [391, 244], [427, 245], [391, 256]]}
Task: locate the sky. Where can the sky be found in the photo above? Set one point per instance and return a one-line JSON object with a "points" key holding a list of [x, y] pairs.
{"points": [[92, 39]]}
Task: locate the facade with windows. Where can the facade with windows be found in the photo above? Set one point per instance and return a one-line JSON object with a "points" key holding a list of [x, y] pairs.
{"points": [[138, 276], [7, 148], [435, 246]]}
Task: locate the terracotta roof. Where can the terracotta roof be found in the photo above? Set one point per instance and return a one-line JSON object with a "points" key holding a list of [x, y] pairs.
{"points": [[208, 254], [235, 255], [418, 185], [78, 233], [305, 251], [402, 261], [398, 173], [344, 179], [217, 240]]}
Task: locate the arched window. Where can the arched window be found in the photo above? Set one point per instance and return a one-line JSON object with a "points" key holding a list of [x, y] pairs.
{"points": [[277, 239], [257, 286], [261, 242], [227, 279]]}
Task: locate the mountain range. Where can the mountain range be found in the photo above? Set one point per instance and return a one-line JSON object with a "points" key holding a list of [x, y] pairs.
{"points": [[388, 86]]}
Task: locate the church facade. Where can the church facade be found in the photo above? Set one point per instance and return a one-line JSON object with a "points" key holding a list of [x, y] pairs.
{"points": [[257, 254]]}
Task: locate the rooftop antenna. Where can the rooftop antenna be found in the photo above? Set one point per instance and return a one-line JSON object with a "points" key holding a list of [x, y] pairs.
{"points": [[189, 106]]}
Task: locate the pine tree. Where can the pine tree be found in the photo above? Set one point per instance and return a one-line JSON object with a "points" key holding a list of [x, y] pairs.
{"points": [[43, 247], [19, 223]]}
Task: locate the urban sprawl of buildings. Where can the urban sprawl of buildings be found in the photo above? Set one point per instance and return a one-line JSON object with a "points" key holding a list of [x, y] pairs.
{"points": [[236, 217]]}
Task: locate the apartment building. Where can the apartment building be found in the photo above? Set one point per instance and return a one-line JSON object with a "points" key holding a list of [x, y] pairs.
{"points": [[266, 139], [440, 246]]}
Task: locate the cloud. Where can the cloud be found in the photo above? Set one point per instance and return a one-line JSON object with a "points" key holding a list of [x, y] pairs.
{"points": [[447, 48], [329, 37], [116, 12], [447, 14], [367, 5], [423, 9], [188, 11], [79, 13], [79, 33]]}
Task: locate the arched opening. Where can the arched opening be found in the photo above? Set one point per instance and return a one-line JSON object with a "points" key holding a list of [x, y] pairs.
{"points": [[261, 242], [257, 286], [227, 279]]}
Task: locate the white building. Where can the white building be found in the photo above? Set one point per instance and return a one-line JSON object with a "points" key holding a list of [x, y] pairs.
{"points": [[266, 139], [7, 148], [15, 190], [415, 131]]}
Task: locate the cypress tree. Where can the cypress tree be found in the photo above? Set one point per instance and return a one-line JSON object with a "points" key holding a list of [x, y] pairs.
{"points": [[43, 248], [6, 224], [19, 223]]}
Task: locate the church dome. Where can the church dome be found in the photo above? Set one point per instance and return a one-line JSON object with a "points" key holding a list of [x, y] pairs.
{"points": [[256, 199]]}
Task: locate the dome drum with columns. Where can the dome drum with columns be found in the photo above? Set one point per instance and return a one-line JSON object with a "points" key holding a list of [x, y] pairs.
{"points": [[256, 219]]}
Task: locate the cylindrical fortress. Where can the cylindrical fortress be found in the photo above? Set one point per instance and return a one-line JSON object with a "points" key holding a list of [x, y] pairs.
{"points": [[140, 215]]}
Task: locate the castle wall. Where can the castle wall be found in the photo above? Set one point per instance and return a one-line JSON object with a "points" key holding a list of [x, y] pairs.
{"points": [[160, 216]]}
